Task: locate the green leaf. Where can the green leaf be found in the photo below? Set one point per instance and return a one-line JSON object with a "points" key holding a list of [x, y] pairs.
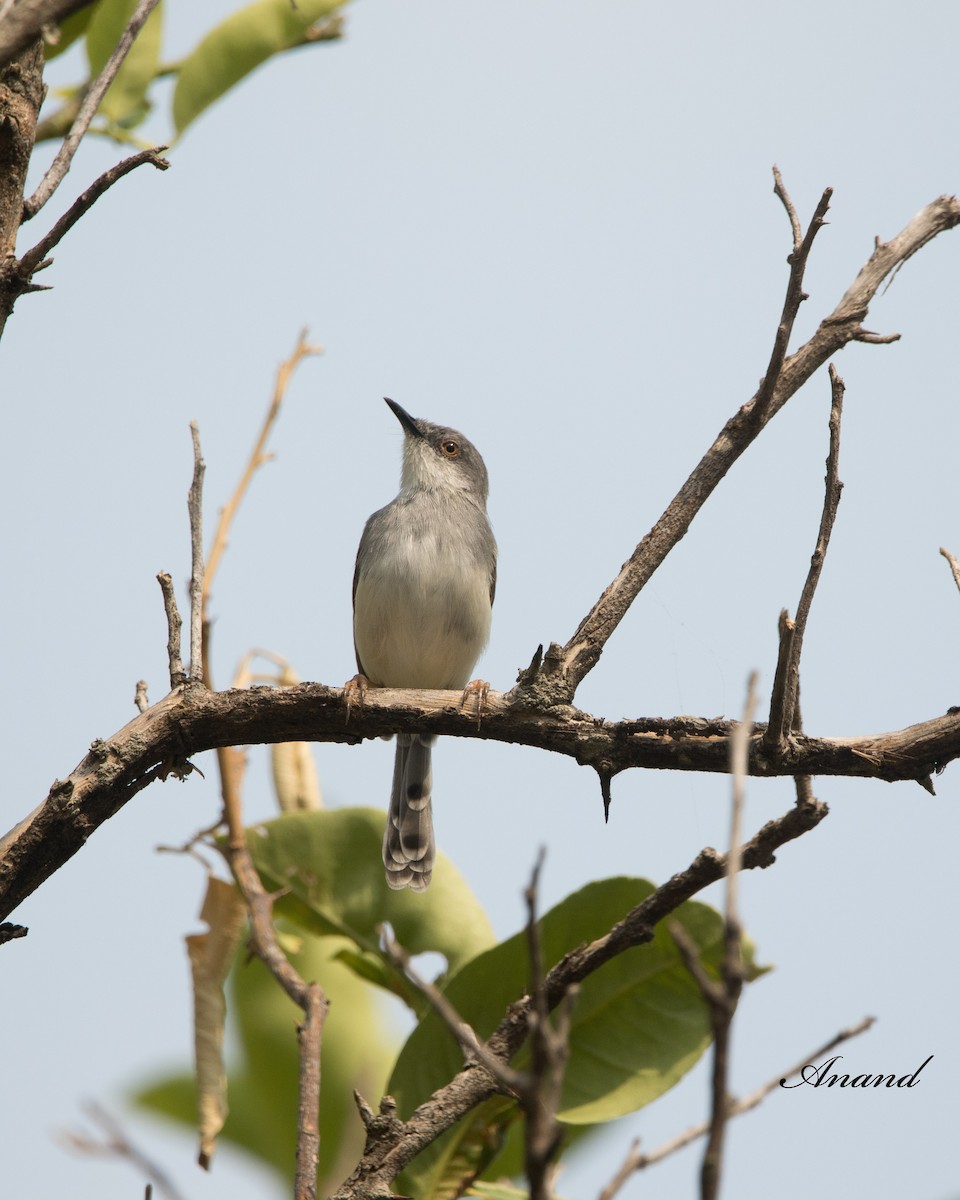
{"points": [[498, 1191], [237, 46], [330, 861], [639, 1023], [125, 102]]}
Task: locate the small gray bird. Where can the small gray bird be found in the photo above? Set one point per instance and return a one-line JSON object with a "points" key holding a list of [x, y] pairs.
{"points": [[422, 598]]}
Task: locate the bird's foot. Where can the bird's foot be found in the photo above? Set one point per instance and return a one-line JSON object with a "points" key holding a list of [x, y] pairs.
{"points": [[477, 690], [355, 692]]}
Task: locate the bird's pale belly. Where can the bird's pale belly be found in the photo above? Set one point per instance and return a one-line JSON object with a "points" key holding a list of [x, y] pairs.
{"points": [[417, 637]]}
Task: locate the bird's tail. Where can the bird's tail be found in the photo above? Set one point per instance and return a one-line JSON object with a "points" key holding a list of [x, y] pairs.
{"points": [[408, 847]]}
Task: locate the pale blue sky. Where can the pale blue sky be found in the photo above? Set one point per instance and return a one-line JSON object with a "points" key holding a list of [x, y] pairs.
{"points": [[551, 226]]}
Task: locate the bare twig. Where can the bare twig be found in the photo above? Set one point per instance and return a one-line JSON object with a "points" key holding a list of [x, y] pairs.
{"points": [[303, 349], [195, 509], [635, 1161], [91, 102], [549, 1052], [117, 1143], [309, 996], [511, 1080], [178, 675], [774, 736], [831, 502], [36, 259], [565, 666], [9, 932], [722, 1000], [309, 1035], [954, 565], [795, 294]]}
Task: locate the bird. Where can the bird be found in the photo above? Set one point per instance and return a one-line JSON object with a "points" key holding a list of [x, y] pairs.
{"points": [[423, 590]]}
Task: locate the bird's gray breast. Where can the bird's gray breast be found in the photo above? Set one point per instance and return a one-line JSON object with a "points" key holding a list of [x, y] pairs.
{"points": [[422, 597]]}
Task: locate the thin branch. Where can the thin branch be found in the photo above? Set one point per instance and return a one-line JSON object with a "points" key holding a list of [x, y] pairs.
{"points": [[303, 349], [308, 996], [309, 1035], [723, 999], [35, 259], [635, 1161], [512, 1081], [781, 192], [565, 666], [118, 1144], [954, 565], [831, 502], [178, 675], [9, 932], [549, 1052], [195, 509], [795, 294], [88, 107], [774, 737]]}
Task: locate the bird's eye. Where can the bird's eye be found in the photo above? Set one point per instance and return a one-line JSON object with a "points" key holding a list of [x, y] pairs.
{"points": [[450, 449]]}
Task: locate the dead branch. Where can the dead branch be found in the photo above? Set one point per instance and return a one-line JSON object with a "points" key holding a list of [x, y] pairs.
{"points": [[184, 724], [564, 667], [786, 688], [258, 457], [195, 509], [178, 675]]}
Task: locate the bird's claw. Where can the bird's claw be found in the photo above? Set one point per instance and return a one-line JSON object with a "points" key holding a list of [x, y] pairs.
{"points": [[479, 689], [355, 692]]}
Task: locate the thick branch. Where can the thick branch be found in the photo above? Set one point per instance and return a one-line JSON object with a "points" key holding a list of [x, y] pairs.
{"points": [[21, 94], [564, 667], [27, 19], [158, 742]]}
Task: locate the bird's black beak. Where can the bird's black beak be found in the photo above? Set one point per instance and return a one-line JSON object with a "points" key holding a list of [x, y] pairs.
{"points": [[408, 423]]}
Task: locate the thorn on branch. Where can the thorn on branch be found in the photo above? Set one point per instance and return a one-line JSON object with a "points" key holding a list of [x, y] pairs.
{"points": [[606, 777]]}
